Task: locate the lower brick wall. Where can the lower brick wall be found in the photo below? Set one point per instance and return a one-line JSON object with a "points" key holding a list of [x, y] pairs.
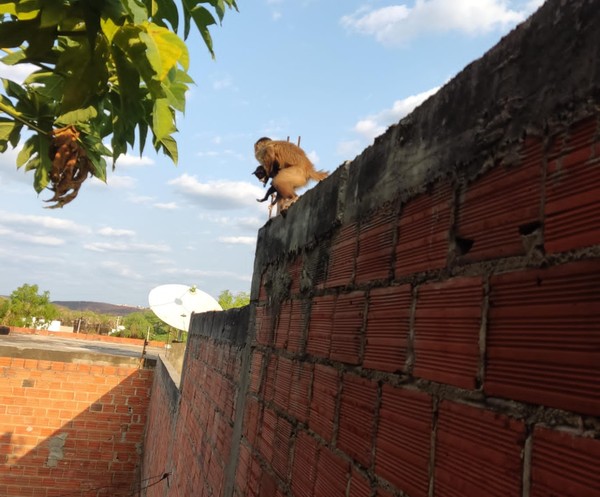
{"points": [[70, 429]]}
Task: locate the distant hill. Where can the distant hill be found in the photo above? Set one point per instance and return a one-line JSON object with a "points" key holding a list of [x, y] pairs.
{"points": [[98, 307]]}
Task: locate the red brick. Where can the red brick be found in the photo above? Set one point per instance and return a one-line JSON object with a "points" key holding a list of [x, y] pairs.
{"points": [[270, 375], [267, 434], [342, 256], [543, 337], [268, 485], [496, 205], [297, 326], [283, 325], [359, 485], [564, 464], [375, 248], [423, 232], [320, 326], [324, 399], [281, 448], [283, 382], [300, 389], [243, 468], [256, 371], [264, 325], [355, 426], [347, 327], [387, 328], [404, 440], [447, 324], [477, 452], [262, 292], [332, 475], [573, 193], [304, 471], [295, 272]]}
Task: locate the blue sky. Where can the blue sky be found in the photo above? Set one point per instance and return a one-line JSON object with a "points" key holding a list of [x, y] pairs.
{"points": [[336, 73]]}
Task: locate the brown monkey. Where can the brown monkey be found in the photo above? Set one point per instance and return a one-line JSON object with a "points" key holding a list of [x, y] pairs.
{"points": [[289, 167]]}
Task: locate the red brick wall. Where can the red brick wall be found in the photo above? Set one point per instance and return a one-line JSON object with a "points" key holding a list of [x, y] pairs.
{"points": [[435, 368], [69, 428], [453, 370], [426, 321]]}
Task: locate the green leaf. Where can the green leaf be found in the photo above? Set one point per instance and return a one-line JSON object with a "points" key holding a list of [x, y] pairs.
{"points": [[96, 149], [13, 33], [14, 58], [44, 166], [47, 84], [166, 10], [162, 119], [53, 12], [202, 18], [7, 128], [27, 9], [171, 50], [26, 152], [8, 7], [133, 41], [169, 147], [137, 10], [85, 76], [77, 116]]}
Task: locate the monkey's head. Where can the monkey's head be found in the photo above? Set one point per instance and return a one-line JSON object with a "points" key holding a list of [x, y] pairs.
{"points": [[261, 174], [260, 142]]}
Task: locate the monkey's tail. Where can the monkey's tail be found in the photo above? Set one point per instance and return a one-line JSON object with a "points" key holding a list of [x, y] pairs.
{"points": [[318, 175]]}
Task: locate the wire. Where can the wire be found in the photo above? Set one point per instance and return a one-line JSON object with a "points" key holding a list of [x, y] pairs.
{"points": [[163, 476]]}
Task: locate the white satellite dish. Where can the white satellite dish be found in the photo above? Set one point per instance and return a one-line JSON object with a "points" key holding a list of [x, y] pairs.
{"points": [[174, 304]]}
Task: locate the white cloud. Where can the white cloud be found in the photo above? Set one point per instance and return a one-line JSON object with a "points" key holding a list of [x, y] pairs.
{"points": [[225, 83], [107, 231], [120, 181], [119, 269], [245, 223], [9, 171], [129, 160], [181, 273], [349, 148], [49, 223], [47, 240], [314, 158], [140, 199], [114, 181], [395, 25], [14, 257], [18, 72], [238, 240], [220, 194], [222, 153], [170, 206], [126, 247], [375, 124]]}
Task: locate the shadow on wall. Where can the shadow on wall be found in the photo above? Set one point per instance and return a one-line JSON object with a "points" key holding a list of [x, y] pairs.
{"points": [[71, 429]]}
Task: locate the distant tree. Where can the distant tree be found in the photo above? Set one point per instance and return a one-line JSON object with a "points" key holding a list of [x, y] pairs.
{"points": [[137, 325], [106, 76], [25, 305], [227, 300]]}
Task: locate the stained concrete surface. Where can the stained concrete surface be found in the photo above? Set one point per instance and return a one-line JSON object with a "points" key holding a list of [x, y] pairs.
{"points": [[51, 348]]}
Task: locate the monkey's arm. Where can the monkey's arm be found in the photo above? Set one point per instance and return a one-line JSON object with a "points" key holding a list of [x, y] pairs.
{"points": [[270, 191]]}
